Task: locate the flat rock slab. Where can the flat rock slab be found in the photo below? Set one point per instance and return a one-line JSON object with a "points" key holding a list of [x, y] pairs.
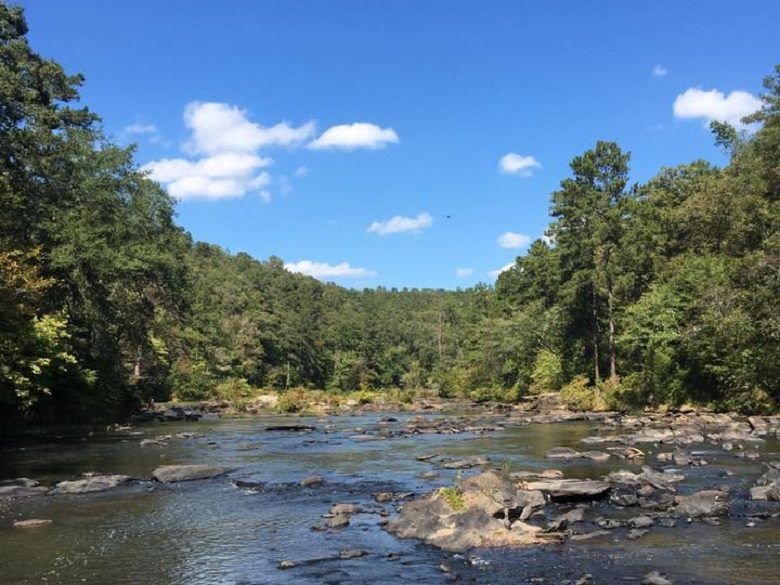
{"points": [[569, 489], [21, 487], [87, 485], [32, 523], [175, 473]]}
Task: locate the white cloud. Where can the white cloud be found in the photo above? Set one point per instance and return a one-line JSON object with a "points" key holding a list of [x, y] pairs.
{"points": [[715, 105], [464, 272], [228, 174], [324, 270], [518, 164], [497, 271], [513, 240], [660, 71], [548, 239], [399, 224], [140, 129], [225, 162], [224, 151], [219, 127], [352, 136]]}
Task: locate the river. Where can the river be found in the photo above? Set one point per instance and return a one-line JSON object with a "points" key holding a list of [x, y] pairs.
{"points": [[211, 532]]}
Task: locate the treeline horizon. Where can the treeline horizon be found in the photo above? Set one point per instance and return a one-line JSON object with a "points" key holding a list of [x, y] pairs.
{"points": [[644, 295]]}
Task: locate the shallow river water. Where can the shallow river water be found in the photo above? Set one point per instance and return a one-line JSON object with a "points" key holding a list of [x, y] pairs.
{"points": [[210, 532]]}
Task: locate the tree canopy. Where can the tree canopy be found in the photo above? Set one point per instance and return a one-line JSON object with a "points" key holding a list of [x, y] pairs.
{"points": [[640, 294]]}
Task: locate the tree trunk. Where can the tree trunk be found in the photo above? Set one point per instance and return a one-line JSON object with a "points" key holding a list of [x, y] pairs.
{"points": [[611, 317], [596, 374], [440, 333]]}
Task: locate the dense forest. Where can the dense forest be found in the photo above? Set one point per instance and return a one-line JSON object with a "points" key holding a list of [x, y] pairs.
{"points": [[639, 295]]}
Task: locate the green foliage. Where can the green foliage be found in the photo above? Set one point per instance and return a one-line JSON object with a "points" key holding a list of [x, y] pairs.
{"points": [[453, 497], [654, 294], [753, 401], [191, 380], [494, 394], [580, 395], [233, 390], [547, 375], [293, 401]]}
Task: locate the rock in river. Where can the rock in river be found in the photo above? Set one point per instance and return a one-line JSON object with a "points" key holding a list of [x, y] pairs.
{"points": [[21, 487], [174, 473], [312, 481], [656, 578], [89, 484], [31, 523], [563, 490], [481, 511], [703, 503]]}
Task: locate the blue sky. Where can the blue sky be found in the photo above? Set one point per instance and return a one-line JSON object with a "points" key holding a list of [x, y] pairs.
{"points": [[301, 129]]}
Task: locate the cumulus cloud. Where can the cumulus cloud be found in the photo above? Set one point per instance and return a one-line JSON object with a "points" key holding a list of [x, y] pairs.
{"points": [[660, 71], [224, 146], [352, 136], [464, 272], [301, 171], [219, 127], [497, 271], [324, 270], [399, 224], [715, 105], [228, 174], [518, 164], [513, 240]]}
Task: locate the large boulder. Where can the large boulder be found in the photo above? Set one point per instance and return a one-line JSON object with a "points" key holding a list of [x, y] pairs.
{"points": [[89, 484], [480, 511], [176, 473], [702, 504]]}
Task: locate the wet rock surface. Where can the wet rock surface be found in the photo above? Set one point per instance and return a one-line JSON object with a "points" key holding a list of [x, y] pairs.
{"points": [[177, 473], [90, 483]]}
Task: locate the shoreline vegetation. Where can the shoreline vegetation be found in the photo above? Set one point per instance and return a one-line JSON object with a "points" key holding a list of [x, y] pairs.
{"points": [[639, 296]]}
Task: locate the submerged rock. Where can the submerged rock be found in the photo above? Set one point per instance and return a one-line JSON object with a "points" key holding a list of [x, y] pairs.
{"points": [[93, 483], [351, 553], [176, 473]]}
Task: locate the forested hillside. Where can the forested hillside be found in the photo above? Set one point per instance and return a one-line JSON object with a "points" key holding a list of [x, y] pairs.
{"points": [[649, 294]]}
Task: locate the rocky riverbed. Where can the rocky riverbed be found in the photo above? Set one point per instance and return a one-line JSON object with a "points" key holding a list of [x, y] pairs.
{"points": [[483, 495]]}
